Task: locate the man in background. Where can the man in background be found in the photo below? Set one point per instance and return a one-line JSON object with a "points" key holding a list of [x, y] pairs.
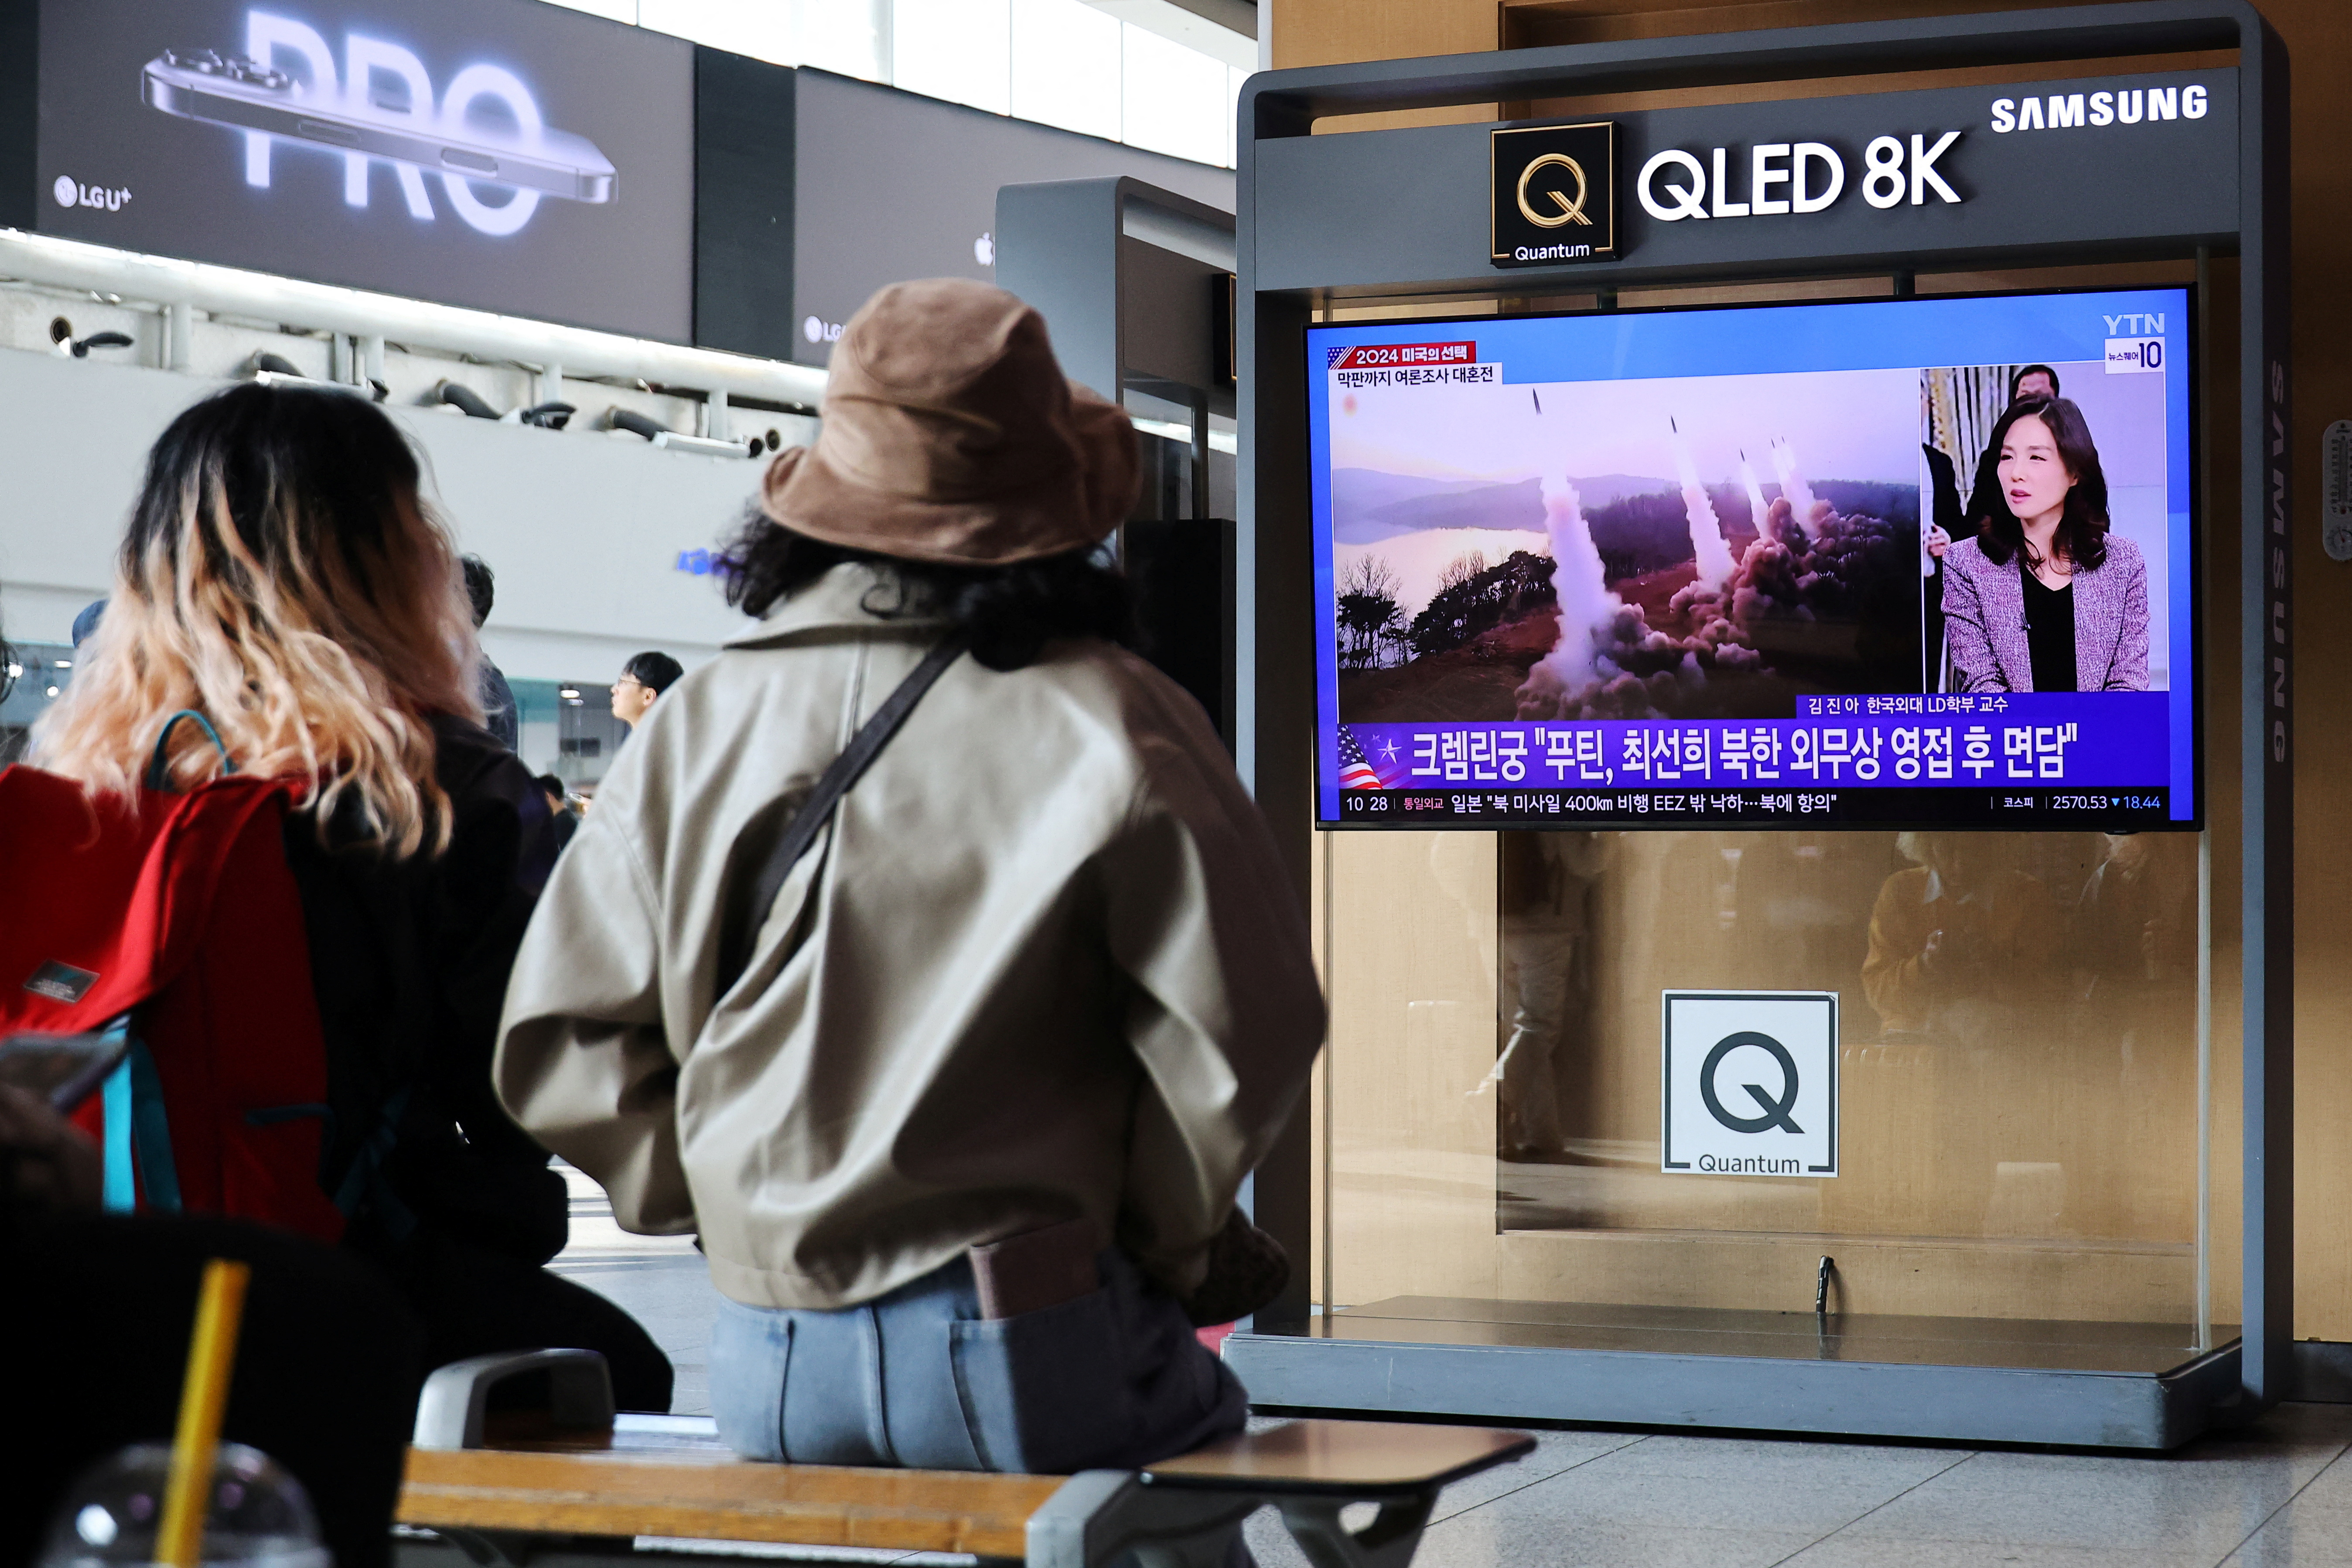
{"points": [[558, 803], [498, 716], [2032, 381], [643, 679]]}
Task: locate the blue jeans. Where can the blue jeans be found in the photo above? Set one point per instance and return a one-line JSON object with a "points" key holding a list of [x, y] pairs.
{"points": [[1109, 1381]]}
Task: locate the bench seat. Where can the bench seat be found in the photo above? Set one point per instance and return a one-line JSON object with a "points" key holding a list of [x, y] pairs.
{"points": [[705, 1492], [667, 1476]]}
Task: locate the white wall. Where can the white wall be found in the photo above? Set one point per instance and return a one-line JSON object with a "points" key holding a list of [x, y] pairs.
{"points": [[583, 530]]}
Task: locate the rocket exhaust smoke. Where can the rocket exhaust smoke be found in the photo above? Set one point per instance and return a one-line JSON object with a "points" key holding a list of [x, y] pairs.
{"points": [[1707, 548], [1581, 583], [1800, 495], [1809, 563], [1757, 511]]}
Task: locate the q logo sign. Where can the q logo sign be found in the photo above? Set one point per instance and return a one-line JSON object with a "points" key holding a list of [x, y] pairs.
{"points": [[1569, 211], [1749, 1083], [1555, 193], [1775, 1106]]}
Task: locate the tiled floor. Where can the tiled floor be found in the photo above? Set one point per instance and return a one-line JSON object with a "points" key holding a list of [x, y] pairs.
{"points": [[2277, 1495]]}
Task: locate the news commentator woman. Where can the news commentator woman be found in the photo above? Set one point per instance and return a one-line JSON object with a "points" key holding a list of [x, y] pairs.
{"points": [[2043, 598]]}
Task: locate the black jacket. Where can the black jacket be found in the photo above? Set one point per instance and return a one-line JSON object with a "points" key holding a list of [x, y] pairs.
{"points": [[409, 962]]}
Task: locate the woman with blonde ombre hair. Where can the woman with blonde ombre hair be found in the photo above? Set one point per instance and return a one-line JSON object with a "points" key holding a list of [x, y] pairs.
{"points": [[284, 577]]}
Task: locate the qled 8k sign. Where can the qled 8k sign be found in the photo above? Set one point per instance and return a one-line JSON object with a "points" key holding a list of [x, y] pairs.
{"points": [[494, 154]]}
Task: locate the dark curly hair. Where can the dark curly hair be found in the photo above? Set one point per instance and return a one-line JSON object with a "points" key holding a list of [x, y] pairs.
{"points": [[1008, 614], [2082, 535]]}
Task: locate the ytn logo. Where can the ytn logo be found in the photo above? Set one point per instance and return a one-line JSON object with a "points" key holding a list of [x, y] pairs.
{"points": [[2135, 344]]}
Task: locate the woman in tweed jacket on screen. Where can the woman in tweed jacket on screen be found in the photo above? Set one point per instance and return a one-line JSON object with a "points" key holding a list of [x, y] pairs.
{"points": [[2043, 598]]}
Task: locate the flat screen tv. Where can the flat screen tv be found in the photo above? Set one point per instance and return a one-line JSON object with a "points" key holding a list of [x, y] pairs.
{"points": [[1799, 565]]}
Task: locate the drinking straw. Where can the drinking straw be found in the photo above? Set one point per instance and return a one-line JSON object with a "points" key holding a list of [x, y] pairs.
{"points": [[212, 1351]]}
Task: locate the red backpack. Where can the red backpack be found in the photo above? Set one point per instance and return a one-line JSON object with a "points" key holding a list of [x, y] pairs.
{"points": [[181, 923]]}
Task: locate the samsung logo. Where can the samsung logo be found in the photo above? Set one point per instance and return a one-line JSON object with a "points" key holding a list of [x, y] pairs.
{"points": [[2068, 110]]}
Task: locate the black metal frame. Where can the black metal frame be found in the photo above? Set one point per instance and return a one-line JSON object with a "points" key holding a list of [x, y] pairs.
{"points": [[1276, 656]]}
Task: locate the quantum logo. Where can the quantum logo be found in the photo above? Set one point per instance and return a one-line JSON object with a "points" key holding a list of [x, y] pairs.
{"points": [[481, 133], [1553, 193]]}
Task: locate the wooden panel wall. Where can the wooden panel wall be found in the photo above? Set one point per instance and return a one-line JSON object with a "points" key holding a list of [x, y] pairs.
{"points": [[1410, 1159]]}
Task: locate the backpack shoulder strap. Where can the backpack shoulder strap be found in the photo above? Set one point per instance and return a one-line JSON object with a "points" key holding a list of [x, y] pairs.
{"points": [[815, 811], [158, 766]]}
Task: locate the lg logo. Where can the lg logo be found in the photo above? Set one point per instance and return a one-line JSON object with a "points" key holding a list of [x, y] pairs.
{"points": [[818, 331], [72, 195]]}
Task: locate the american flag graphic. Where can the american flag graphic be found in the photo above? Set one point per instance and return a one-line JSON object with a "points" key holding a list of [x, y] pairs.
{"points": [[1331, 357], [1357, 770]]}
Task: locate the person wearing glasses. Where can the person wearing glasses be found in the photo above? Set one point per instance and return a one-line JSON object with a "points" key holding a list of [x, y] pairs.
{"points": [[643, 679]]}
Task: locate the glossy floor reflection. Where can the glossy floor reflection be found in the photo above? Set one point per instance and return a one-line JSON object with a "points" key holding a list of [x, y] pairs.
{"points": [[2278, 1493]]}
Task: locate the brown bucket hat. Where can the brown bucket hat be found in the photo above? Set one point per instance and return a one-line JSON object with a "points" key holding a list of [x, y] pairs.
{"points": [[950, 435]]}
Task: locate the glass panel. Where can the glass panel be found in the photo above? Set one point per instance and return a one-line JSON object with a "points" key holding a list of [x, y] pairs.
{"points": [[1066, 65], [761, 28], [2018, 1068], [961, 50], [2037, 1053], [1174, 99]]}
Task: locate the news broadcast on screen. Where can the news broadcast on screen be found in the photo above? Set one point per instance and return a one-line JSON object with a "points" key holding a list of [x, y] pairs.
{"points": [[1913, 561]]}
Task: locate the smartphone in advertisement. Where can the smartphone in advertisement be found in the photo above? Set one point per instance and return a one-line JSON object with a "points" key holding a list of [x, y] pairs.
{"points": [[64, 1069], [231, 90]]}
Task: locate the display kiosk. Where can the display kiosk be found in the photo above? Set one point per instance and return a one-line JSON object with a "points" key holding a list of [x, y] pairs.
{"points": [[1764, 639]]}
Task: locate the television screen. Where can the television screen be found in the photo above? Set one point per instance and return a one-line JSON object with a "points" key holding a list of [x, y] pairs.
{"points": [[1907, 563]]}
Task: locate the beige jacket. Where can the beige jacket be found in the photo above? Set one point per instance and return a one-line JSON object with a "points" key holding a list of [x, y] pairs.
{"points": [[1044, 964]]}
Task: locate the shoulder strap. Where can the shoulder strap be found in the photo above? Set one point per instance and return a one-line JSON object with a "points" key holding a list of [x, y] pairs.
{"points": [[815, 811], [158, 766]]}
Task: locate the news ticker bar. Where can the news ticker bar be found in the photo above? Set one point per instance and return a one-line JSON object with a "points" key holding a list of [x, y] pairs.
{"points": [[2091, 810]]}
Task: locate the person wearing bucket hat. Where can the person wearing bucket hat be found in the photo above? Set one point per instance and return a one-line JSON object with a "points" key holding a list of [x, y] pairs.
{"points": [[957, 1100]]}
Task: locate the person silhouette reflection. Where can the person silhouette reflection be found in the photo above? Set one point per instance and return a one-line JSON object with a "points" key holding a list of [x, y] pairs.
{"points": [[1961, 945], [1547, 881], [2136, 923]]}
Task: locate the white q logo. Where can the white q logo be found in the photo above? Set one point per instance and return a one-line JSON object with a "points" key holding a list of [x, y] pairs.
{"points": [[1688, 202]]}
